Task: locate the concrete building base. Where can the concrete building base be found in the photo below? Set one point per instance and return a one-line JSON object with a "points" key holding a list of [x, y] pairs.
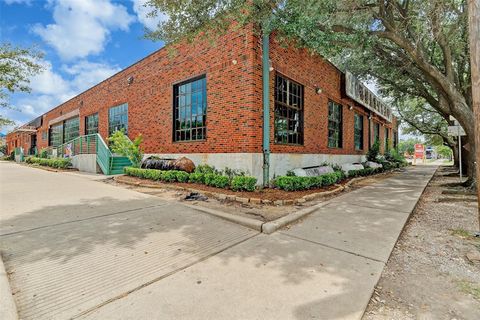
{"points": [[85, 163], [252, 163]]}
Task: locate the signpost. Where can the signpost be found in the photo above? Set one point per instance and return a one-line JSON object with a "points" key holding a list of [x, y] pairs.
{"points": [[457, 131]]}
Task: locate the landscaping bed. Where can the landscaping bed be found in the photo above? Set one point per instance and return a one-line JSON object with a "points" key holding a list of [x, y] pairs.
{"points": [[269, 194]]}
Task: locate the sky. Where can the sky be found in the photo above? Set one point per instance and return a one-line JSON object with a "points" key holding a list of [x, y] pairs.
{"points": [[83, 41]]}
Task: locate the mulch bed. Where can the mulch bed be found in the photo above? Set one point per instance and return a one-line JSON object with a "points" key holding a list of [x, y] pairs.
{"points": [[263, 194]]}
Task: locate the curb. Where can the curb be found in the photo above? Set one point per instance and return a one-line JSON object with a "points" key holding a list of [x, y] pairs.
{"points": [[8, 309], [246, 222], [272, 226]]}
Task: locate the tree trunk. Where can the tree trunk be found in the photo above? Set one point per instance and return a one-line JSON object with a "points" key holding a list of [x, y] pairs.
{"points": [[474, 35]]}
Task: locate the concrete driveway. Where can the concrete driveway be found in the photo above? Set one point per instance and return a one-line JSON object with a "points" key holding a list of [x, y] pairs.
{"points": [[79, 248]]}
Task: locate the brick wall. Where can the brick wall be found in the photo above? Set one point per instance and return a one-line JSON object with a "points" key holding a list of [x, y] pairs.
{"points": [[233, 69]]}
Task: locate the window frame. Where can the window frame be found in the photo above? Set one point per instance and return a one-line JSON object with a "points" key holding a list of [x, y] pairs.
{"points": [[188, 112], [52, 134], [125, 126], [356, 134], [68, 121], [386, 135], [86, 130], [339, 126], [284, 107]]}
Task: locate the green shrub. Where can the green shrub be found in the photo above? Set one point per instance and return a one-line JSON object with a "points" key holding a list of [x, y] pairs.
{"points": [[121, 144], [169, 176], [196, 177], [206, 169], [243, 183], [181, 176], [44, 153], [293, 183], [60, 163], [232, 173], [330, 179], [216, 180], [373, 152]]}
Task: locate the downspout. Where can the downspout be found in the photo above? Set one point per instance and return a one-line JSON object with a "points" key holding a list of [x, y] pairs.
{"points": [[266, 105]]}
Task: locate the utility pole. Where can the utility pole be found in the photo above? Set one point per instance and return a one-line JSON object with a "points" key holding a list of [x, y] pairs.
{"points": [[474, 35]]}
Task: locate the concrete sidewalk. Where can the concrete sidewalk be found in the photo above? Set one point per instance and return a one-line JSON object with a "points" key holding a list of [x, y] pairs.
{"points": [[324, 267]]}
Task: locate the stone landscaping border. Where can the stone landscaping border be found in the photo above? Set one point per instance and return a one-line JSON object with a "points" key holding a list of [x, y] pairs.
{"points": [[233, 198]]}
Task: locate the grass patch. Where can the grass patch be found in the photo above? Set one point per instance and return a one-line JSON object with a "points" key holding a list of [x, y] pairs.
{"points": [[469, 288], [461, 233]]}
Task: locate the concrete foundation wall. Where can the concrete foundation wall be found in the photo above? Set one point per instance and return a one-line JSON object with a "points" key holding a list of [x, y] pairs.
{"points": [[85, 162], [252, 163]]}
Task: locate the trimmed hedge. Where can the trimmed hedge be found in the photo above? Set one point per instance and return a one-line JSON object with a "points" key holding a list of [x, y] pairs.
{"points": [[293, 183], [212, 179], [243, 183], [60, 163]]}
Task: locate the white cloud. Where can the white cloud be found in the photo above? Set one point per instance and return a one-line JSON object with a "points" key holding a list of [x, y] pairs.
{"points": [[142, 12], [82, 27], [50, 88]]}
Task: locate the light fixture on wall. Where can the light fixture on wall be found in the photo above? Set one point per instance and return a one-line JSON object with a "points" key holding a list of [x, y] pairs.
{"points": [[370, 117], [130, 80], [350, 107], [270, 65], [318, 90]]}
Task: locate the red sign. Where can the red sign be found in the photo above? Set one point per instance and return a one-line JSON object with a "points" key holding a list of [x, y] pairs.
{"points": [[419, 151]]}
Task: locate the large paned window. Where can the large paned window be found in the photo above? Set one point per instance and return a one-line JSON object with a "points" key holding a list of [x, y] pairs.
{"points": [[334, 125], [376, 132], [71, 129], [56, 135], [190, 110], [91, 124], [118, 118], [288, 111], [358, 134]]}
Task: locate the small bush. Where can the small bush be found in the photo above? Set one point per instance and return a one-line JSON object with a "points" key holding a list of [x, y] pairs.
{"points": [[44, 153], [293, 183], [330, 179], [373, 152], [216, 180], [196, 177], [243, 183], [121, 144], [169, 176], [181, 176], [206, 169]]}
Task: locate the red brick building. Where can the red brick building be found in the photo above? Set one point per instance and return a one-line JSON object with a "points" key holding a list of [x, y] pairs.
{"points": [[204, 100]]}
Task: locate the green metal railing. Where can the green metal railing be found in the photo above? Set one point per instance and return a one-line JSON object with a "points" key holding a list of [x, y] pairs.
{"points": [[94, 144], [80, 145], [104, 156]]}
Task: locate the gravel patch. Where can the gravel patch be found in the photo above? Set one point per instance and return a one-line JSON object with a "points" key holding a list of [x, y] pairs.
{"points": [[429, 275]]}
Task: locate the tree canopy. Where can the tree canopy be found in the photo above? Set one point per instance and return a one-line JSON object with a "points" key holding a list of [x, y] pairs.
{"points": [[17, 66], [412, 48]]}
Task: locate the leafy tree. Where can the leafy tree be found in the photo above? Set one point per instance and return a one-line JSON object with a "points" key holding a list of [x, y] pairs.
{"points": [[414, 48], [121, 144], [17, 66], [408, 145], [443, 151]]}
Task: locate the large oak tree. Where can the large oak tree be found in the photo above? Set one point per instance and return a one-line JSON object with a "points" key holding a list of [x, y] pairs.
{"points": [[413, 48]]}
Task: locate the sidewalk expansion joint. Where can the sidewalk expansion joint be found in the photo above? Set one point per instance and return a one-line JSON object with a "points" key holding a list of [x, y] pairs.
{"points": [[332, 247], [80, 220], [146, 284]]}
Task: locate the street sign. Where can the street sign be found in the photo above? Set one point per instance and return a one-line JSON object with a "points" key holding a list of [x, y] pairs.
{"points": [[456, 131], [419, 151]]}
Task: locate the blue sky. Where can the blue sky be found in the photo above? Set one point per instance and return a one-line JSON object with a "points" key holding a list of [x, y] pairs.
{"points": [[84, 42]]}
